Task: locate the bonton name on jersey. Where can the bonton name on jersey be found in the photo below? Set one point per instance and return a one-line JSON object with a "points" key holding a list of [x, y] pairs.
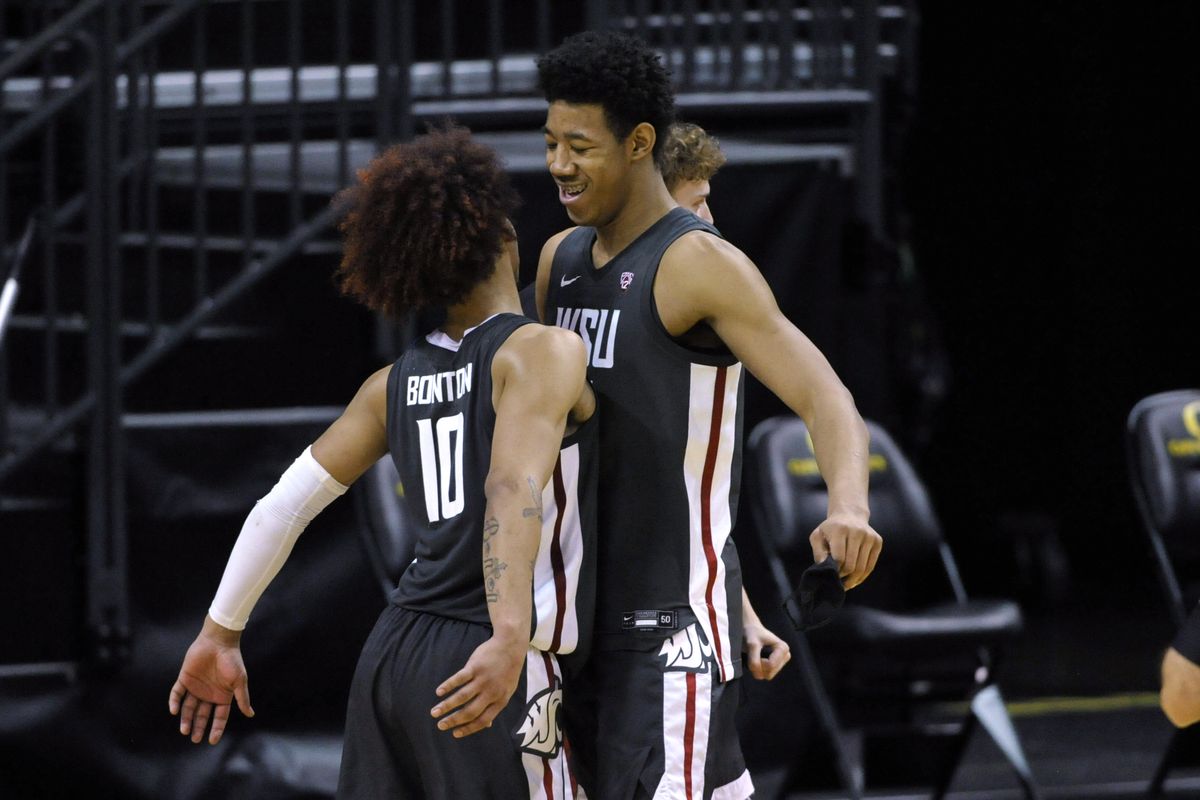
{"points": [[439, 387]]}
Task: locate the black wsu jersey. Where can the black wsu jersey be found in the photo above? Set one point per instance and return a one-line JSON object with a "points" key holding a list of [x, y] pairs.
{"points": [[670, 442], [440, 422]]}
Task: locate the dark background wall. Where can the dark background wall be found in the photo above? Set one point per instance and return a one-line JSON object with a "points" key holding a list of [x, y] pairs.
{"points": [[1050, 180]]}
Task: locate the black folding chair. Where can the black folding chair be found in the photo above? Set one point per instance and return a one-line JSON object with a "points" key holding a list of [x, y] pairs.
{"points": [[388, 536], [1162, 440], [908, 642]]}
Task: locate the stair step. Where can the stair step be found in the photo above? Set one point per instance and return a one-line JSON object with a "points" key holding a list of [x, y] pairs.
{"points": [[196, 465], [77, 323], [213, 243], [30, 504], [25, 422], [520, 151], [301, 416]]}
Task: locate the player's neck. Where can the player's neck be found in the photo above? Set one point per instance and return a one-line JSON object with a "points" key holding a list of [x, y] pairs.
{"points": [[497, 295], [648, 202]]}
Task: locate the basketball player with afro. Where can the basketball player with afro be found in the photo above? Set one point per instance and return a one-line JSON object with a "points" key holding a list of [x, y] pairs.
{"points": [[670, 313], [457, 688]]}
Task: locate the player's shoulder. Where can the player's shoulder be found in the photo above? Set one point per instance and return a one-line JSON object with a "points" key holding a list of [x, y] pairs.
{"points": [[545, 342], [551, 245], [542, 360], [376, 383], [544, 346], [704, 247], [701, 257], [372, 395]]}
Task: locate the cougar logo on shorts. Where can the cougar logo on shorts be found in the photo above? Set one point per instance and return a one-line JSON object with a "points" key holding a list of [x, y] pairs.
{"points": [[687, 651], [540, 733]]}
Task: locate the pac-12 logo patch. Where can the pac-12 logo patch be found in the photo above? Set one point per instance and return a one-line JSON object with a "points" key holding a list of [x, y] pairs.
{"points": [[540, 734], [687, 651], [626, 280]]}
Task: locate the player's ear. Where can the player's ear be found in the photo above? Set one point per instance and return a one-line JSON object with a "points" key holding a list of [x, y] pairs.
{"points": [[640, 141]]}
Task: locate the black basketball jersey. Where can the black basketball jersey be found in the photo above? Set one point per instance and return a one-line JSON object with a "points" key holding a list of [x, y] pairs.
{"points": [[670, 446], [440, 422]]}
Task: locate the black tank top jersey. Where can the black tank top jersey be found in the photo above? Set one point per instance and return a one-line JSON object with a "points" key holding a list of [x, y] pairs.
{"points": [[440, 422], [670, 448]]}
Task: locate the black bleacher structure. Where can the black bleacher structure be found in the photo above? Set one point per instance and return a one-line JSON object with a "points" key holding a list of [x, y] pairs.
{"points": [[176, 338]]}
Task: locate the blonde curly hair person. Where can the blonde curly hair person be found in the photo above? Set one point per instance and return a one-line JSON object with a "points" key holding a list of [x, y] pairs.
{"points": [[690, 158]]}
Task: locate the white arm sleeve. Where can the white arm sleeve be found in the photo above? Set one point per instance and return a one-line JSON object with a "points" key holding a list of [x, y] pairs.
{"points": [[267, 536]]}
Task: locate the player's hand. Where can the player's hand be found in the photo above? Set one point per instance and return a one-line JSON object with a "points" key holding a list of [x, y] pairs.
{"points": [[477, 693], [853, 544], [212, 675], [766, 653]]}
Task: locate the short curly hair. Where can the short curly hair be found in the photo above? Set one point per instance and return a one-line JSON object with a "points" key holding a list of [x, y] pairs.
{"points": [[690, 154], [616, 71], [425, 223]]}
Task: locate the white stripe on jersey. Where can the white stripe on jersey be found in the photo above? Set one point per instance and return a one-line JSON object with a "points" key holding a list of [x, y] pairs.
{"points": [[707, 474], [740, 788], [687, 708], [547, 581]]}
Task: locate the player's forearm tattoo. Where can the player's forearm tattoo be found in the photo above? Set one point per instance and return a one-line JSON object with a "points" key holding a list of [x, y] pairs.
{"points": [[536, 509], [492, 567]]}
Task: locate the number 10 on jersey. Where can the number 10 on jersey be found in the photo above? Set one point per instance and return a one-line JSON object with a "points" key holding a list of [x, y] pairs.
{"points": [[442, 466]]}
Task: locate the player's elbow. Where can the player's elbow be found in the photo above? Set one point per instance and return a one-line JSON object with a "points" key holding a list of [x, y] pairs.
{"points": [[1181, 709], [1180, 695], [505, 485]]}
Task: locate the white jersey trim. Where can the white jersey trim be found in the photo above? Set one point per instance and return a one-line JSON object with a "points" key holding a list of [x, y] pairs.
{"points": [[708, 477], [738, 789], [687, 709], [439, 338], [559, 559]]}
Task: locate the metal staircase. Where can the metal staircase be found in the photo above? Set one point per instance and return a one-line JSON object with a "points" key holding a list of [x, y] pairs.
{"points": [[161, 162]]}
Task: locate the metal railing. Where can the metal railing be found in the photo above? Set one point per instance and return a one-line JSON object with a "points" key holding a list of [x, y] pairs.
{"points": [[118, 119], [82, 160]]}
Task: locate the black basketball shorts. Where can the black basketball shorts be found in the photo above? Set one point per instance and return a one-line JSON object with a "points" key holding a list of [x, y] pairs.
{"points": [[656, 723], [393, 748]]}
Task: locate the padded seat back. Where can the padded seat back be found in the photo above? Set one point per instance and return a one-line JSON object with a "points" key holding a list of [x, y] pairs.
{"points": [[389, 535], [793, 499], [1164, 431]]}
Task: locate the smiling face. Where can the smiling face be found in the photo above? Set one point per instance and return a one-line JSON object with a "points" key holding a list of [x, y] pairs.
{"points": [[591, 166]]}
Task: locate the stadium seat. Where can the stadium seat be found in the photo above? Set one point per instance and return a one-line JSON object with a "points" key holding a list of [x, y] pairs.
{"points": [[388, 537], [908, 643], [1162, 438]]}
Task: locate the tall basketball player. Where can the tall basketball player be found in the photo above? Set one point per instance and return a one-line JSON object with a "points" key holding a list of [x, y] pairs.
{"points": [[669, 312], [474, 417]]}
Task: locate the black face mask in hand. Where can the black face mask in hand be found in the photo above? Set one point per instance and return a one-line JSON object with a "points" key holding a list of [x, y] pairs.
{"points": [[819, 595]]}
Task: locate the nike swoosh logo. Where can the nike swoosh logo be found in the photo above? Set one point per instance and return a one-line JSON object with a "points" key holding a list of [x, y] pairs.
{"points": [[565, 282]]}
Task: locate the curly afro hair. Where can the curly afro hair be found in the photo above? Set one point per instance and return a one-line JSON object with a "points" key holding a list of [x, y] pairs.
{"points": [[425, 223], [691, 154], [617, 72]]}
